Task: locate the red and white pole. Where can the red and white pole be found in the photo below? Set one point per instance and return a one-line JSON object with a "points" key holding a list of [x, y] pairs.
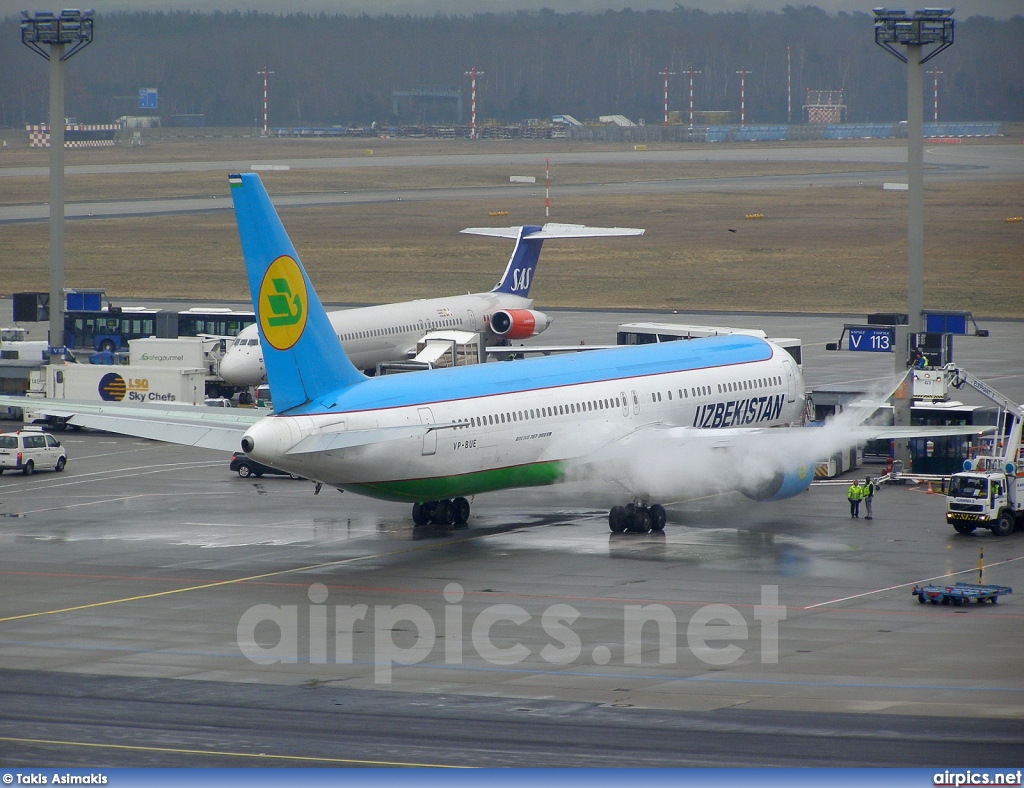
{"points": [[789, 87], [547, 188], [691, 96], [692, 72], [472, 74], [666, 73], [743, 96], [264, 72]]}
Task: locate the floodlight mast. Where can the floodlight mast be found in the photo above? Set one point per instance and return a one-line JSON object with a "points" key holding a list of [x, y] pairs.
{"points": [[65, 35], [931, 27]]}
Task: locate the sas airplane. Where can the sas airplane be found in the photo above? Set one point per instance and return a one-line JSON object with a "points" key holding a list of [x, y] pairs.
{"points": [[648, 424], [389, 332]]}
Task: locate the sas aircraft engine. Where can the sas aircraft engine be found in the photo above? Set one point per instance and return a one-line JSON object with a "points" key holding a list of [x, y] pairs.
{"points": [[518, 323], [777, 482]]}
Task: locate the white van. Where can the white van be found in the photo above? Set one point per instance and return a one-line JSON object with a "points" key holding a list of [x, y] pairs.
{"points": [[30, 449]]}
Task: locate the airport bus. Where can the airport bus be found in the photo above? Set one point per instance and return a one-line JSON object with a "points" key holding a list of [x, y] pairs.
{"points": [[941, 454], [110, 329]]}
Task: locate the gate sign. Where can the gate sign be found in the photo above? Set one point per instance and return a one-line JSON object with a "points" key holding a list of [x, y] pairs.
{"points": [[147, 98], [872, 340]]}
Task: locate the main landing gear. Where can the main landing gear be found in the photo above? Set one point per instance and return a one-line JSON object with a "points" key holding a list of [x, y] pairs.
{"points": [[447, 512], [638, 518]]}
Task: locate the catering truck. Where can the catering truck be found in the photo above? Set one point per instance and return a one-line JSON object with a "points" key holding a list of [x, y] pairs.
{"points": [[104, 383]]}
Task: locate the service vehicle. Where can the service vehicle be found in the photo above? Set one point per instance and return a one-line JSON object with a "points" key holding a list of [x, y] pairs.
{"points": [[959, 593], [30, 449], [245, 466], [989, 492]]}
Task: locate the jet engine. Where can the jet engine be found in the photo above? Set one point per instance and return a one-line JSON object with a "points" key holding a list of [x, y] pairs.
{"points": [[518, 323], [778, 483]]}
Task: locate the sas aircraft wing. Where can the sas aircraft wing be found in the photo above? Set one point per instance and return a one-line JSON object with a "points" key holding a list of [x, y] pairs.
{"points": [[207, 428]]}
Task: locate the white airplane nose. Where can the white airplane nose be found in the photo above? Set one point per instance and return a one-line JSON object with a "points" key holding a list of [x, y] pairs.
{"points": [[240, 369]]}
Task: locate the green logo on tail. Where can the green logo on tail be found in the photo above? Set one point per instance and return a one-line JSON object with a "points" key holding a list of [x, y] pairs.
{"points": [[282, 305]]}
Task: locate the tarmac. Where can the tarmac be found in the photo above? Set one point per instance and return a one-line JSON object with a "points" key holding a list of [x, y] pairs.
{"points": [[155, 609]]}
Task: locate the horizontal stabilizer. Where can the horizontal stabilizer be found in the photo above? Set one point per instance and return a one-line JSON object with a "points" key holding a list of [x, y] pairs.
{"points": [[334, 441], [553, 230], [206, 428]]}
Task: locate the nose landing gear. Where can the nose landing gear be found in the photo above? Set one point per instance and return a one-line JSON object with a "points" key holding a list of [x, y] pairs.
{"points": [[637, 517]]}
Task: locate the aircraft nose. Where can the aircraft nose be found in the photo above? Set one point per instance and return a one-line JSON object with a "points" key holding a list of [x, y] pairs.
{"points": [[240, 369]]}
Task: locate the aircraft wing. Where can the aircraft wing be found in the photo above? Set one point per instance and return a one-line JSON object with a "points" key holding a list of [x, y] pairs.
{"points": [[854, 435], [553, 230], [667, 463], [207, 428], [869, 433]]}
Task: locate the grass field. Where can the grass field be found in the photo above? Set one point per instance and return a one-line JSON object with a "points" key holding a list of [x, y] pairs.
{"points": [[816, 249]]}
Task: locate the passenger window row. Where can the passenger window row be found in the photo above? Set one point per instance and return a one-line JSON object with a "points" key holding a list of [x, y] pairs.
{"points": [[545, 412], [380, 332]]}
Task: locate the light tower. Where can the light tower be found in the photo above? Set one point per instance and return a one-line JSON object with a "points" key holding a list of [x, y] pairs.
{"points": [[743, 95], [265, 73], [935, 95], [666, 73], [472, 74], [692, 72], [65, 35], [931, 27]]}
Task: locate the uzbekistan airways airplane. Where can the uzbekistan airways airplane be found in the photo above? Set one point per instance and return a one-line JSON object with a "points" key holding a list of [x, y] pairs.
{"points": [[389, 332], [650, 423]]}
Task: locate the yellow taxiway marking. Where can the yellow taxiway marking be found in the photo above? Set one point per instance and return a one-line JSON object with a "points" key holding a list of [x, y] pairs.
{"points": [[256, 755], [219, 583]]}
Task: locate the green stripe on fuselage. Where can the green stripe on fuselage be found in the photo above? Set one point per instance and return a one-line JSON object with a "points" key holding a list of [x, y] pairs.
{"points": [[441, 487]]}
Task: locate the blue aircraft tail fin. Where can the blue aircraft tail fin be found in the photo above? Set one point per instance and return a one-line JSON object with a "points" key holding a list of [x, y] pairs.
{"points": [[303, 356], [522, 264]]}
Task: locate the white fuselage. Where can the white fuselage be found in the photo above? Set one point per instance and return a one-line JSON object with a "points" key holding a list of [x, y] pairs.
{"points": [[374, 334], [526, 422]]}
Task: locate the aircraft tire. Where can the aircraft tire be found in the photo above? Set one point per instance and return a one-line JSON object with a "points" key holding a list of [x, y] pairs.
{"points": [[444, 513], [658, 517], [461, 506], [617, 519], [640, 522], [421, 513]]}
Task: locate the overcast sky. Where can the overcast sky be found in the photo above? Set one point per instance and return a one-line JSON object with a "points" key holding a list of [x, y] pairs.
{"points": [[998, 8]]}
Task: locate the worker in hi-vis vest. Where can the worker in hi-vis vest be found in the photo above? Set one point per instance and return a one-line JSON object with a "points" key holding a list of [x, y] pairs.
{"points": [[854, 495]]}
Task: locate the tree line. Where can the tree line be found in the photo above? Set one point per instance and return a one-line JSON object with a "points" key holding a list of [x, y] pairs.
{"points": [[341, 70]]}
